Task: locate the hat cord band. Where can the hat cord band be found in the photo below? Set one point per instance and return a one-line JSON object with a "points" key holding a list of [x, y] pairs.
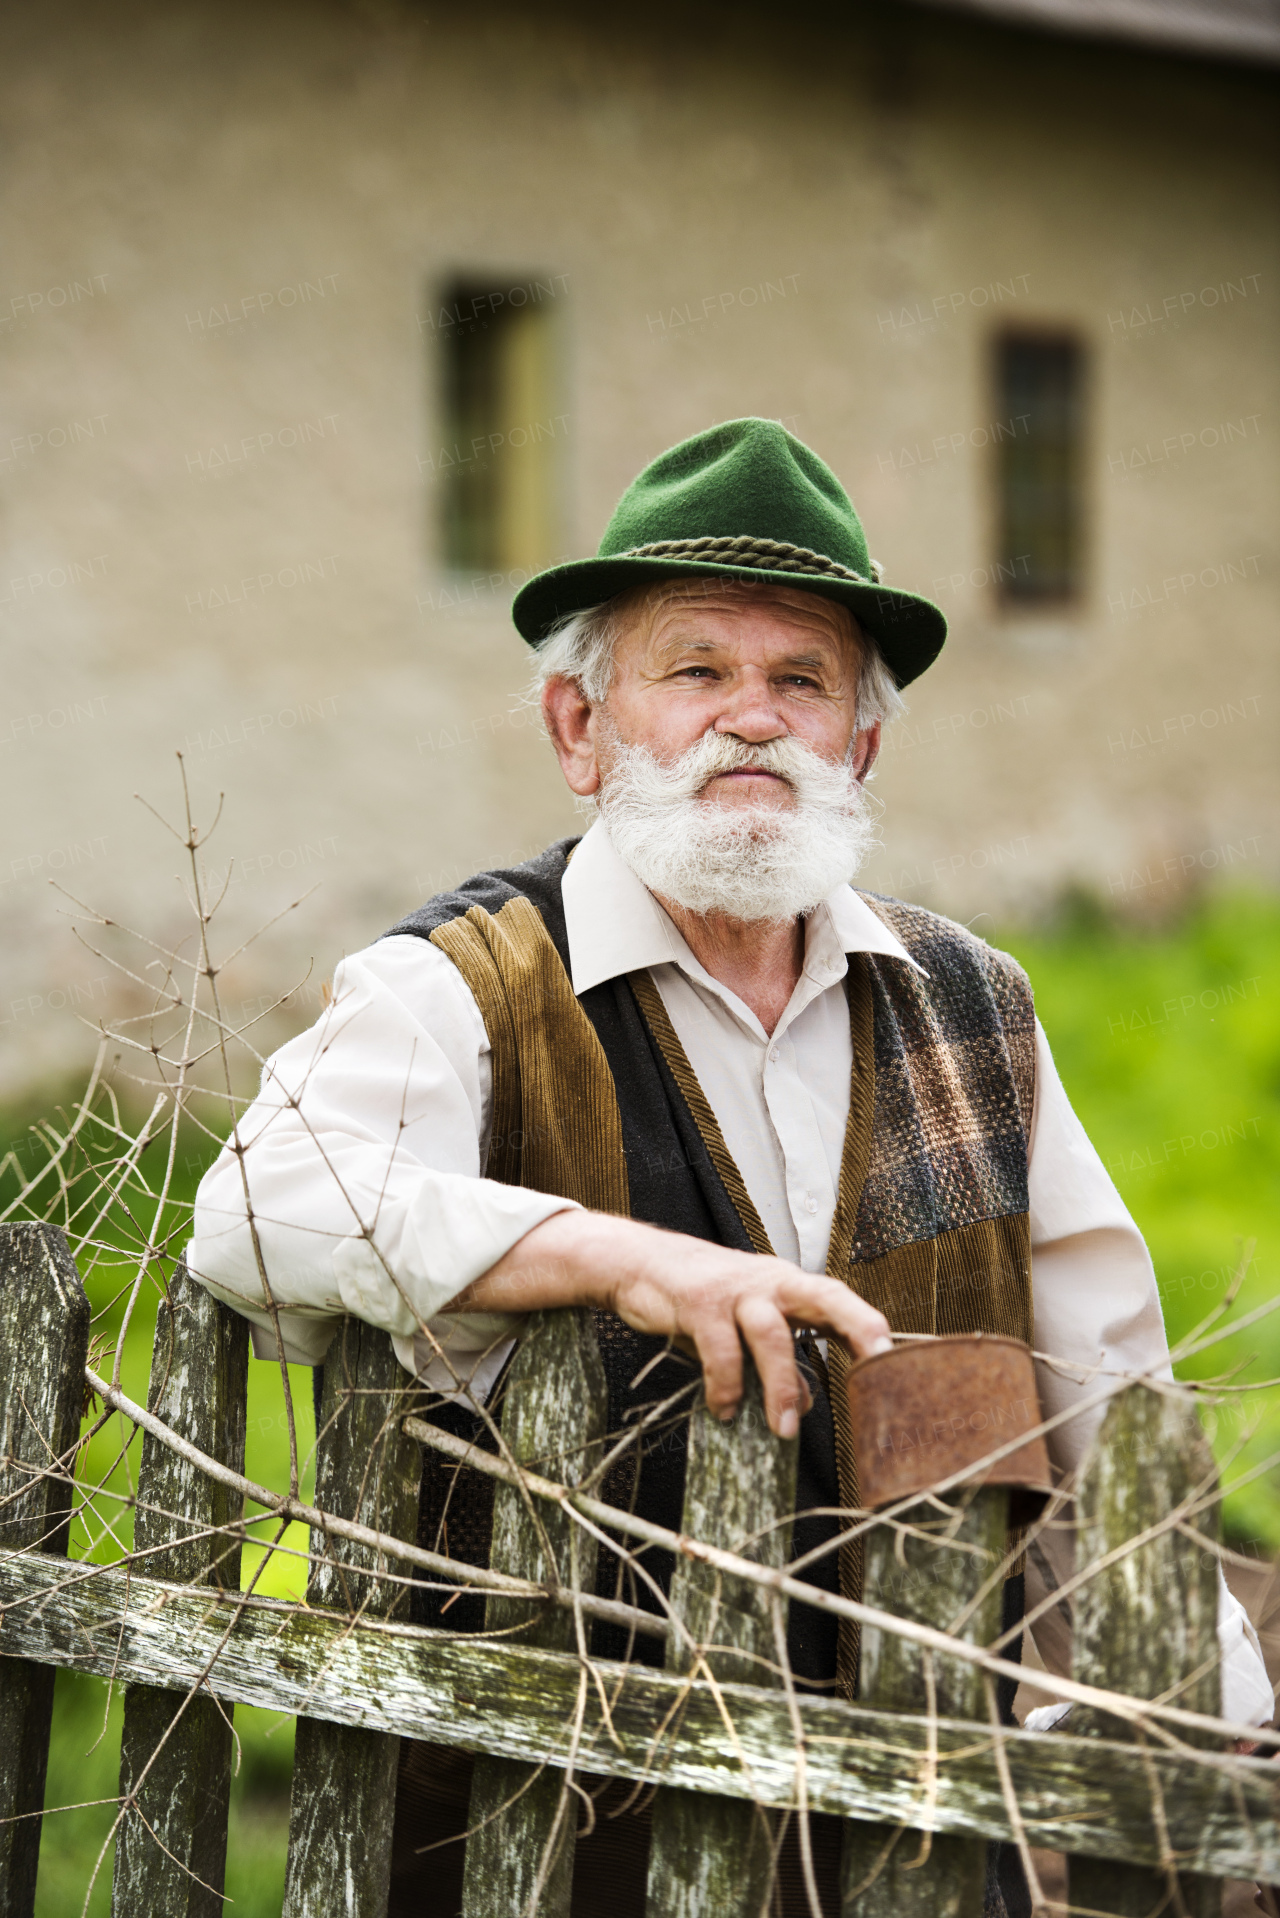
{"points": [[743, 550]]}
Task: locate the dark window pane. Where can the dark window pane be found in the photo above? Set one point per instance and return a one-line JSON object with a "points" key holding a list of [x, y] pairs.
{"points": [[497, 462], [1040, 462]]}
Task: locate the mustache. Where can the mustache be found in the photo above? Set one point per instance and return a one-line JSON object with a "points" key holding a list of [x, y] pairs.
{"points": [[811, 777]]}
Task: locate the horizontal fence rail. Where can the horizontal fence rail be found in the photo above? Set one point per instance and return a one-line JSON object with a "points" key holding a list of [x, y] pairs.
{"points": [[1075, 1794]]}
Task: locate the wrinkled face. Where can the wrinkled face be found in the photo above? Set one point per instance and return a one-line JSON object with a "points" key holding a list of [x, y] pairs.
{"points": [[757, 665], [725, 760]]}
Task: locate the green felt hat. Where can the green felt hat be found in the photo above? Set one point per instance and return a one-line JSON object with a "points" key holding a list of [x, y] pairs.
{"points": [[749, 501]]}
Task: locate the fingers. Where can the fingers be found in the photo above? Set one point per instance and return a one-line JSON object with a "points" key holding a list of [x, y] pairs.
{"points": [[771, 1345], [712, 1300], [763, 1317], [719, 1339], [765, 1323], [720, 1350], [827, 1303]]}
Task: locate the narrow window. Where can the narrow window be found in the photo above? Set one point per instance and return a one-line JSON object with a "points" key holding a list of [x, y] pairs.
{"points": [[498, 462], [1039, 433]]}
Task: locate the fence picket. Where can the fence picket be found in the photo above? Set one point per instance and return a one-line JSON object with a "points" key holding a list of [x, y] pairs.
{"points": [[199, 1365], [44, 1338], [712, 1854], [886, 1871], [522, 1817], [1148, 1625], [344, 1777]]}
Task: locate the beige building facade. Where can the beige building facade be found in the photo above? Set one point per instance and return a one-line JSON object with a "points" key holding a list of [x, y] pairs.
{"points": [[244, 335]]}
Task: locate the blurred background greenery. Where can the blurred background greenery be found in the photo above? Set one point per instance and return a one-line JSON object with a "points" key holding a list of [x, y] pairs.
{"points": [[1168, 1041]]}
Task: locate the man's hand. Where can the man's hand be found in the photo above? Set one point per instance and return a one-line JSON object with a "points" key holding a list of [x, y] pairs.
{"points": [[707, 1300]]}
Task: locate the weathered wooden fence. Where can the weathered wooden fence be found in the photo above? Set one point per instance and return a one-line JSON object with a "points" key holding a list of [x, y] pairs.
{"points": [[717, 1731]]}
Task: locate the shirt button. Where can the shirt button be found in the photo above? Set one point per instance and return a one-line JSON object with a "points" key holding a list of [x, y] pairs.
{"points": [[773, 1055], [810, 1203]]}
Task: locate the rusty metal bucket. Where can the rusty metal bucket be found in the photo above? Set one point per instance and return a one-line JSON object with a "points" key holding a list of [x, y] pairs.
{"points": [[933, 1407]]}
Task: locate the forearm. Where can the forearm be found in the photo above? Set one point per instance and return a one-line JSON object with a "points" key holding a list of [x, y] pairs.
{"points": [[574, 1258], [705, 1298]]}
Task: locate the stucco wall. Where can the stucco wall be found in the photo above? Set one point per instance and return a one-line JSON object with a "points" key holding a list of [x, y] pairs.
{"points": [[888, 190]]}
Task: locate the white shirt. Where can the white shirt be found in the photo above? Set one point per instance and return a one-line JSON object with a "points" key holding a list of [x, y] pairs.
{"points": [[374, 1126]]}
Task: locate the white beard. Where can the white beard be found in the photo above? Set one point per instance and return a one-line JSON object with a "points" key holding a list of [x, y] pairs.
{"points": [[749, 862]]}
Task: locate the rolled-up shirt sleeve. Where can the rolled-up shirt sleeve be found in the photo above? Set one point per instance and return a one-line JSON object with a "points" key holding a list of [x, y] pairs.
{"points": [[359, 1167], [1098, 1321]]}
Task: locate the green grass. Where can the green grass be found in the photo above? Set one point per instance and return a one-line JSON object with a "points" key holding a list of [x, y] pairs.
{"points": [[1168, 1041]]}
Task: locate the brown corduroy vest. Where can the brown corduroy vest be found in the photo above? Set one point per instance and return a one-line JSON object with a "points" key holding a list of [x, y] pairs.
{"points": [[931, 1220]]}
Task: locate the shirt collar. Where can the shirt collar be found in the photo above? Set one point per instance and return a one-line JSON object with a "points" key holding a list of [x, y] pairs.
{"points": [[615, 925]]}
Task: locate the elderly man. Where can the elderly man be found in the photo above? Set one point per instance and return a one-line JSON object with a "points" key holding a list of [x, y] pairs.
{"points": [[681, 1072]]}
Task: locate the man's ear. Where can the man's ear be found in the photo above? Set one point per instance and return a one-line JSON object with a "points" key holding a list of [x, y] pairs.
{"points": [[569, 718], [866, 748]]}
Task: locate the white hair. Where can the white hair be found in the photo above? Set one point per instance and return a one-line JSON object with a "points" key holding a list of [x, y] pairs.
{"points": [[582, 646]]}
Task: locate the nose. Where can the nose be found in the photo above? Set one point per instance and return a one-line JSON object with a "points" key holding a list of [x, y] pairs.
{"points": [[749, 709]]}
